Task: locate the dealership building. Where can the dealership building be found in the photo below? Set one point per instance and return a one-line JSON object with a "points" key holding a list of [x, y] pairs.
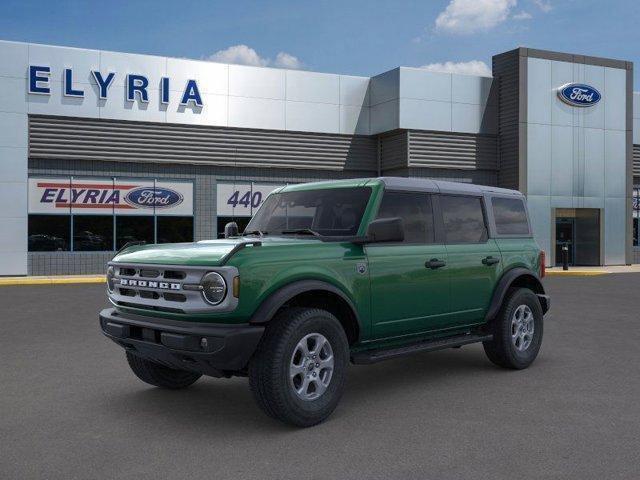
{"points": [[100, 148]]}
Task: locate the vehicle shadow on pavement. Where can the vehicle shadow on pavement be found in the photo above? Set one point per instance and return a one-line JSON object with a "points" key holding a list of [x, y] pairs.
{"points": [[228, 404], [223, 403], [415, 371]]}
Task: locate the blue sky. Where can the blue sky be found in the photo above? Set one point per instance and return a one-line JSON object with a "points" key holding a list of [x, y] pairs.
{"points": [[351, 37]]}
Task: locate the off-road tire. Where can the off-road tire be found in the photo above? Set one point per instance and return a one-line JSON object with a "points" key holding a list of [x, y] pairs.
{"points": [[159, 375], [269, 367], [501, 350]]}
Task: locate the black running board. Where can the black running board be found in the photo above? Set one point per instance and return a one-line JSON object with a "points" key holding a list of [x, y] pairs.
{"points": [[373, 356]]}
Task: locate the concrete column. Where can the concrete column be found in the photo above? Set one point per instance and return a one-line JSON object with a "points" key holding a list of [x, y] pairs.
{"points": [[13, 158]]}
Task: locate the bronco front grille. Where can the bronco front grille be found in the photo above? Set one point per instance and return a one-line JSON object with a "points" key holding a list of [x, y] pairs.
{"points": [[155, 288], [152, 273], [161, 288]]}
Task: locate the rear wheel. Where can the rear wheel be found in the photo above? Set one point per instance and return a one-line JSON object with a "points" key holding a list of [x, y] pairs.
{"points": [[298, 372], [517, 330], [159, 375]]}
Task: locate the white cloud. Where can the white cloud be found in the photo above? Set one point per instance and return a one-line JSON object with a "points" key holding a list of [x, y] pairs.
{"points": [[473, 67], [245, 55], [543, 5], [522, 16], [240, 54], [286, 60], [469, 16]]}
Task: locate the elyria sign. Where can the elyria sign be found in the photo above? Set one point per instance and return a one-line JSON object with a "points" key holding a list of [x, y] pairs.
{"points": [[136, 86], [579, 95], [61, 196]]}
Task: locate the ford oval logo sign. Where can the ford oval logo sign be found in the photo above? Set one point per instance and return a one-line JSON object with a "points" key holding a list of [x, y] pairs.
{"points": [[579, 95], [149, 197]]}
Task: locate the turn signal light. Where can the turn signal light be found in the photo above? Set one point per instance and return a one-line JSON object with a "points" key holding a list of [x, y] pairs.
{"points": [[236, 287]]}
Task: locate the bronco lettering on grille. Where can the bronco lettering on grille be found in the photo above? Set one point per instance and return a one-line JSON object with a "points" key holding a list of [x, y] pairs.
{"points": [[150, 284]]}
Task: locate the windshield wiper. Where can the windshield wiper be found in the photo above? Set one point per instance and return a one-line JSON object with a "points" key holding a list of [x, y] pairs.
{"points": [[254, 232], [302, 231]]}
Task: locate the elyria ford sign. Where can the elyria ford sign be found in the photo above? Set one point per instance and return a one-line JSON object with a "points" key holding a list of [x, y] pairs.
{"points": [[579, 95], [106, 196], [136, 86]]}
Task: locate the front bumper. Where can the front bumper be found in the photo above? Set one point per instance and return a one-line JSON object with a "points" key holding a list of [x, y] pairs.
{"points": [[211, 349]]}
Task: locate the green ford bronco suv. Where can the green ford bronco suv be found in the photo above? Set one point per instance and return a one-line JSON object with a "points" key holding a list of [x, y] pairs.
{"points": [[326, 273]]}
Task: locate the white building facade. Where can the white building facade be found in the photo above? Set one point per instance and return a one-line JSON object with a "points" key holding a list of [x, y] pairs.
{"points": [[100, 148]]}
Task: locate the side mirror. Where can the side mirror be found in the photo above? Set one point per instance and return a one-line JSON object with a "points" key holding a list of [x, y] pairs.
{"points": [[231, 230], [385, 230]]}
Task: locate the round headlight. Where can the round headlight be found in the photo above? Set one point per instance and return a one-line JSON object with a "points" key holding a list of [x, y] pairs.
{"points": [[214, 288], [111, 272]]}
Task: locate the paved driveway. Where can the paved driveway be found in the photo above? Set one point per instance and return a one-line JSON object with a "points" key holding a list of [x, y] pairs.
{"points": [[70, 408]]}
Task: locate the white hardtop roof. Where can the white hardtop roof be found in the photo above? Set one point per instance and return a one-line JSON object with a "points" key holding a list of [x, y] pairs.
{"points": [[429, 185]]}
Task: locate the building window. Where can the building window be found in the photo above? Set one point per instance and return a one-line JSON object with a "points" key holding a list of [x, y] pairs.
{"points": [[92, 233], [98, 214], [49, 233], [134, 229], [635, 232], [175, 229], [241, 221]]}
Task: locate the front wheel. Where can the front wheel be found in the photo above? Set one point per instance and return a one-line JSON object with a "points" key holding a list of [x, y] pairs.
{"points": [[298, 372], [517, 330]]}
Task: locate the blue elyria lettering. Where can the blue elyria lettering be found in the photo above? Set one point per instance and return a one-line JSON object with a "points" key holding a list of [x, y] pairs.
{"points": [[137, 86], [69, 91], [103, 83], [148, 197], [85, 196], [579, 95], [39, 80]]}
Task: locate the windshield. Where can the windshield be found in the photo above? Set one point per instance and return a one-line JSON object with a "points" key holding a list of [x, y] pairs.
{"points": [[326, 212]]}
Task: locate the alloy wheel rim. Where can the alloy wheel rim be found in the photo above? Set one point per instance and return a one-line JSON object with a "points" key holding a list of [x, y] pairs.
{"points": [[522, 327], [311, 367]]}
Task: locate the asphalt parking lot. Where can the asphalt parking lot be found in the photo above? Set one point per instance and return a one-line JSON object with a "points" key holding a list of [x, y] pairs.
{"points": [[70, 408]]}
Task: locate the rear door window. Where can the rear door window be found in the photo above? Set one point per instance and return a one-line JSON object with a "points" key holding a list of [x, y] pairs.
{"points": [[463, 219], [415, 211], [510, 216]]}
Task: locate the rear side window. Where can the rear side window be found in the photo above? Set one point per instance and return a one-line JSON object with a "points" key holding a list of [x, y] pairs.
{"points": [[510, 216], [463, 219], [415, 211]]}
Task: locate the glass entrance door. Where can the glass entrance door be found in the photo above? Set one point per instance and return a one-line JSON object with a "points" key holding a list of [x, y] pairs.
{"points": [[587, 237], [565, 230], [579, 230]]}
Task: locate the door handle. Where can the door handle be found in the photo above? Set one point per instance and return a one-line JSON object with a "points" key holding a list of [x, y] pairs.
{"points": [[434, 263], [490, 260]]}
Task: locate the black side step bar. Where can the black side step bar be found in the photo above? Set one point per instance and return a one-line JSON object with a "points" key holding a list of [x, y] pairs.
{"points": [[373, 356]]}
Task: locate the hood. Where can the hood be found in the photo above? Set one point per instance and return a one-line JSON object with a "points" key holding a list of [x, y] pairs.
{"points": [[203, 253]]}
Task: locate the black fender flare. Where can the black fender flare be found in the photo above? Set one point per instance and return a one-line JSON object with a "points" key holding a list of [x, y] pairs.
{"points": [[277, 299], [503, 285]]}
